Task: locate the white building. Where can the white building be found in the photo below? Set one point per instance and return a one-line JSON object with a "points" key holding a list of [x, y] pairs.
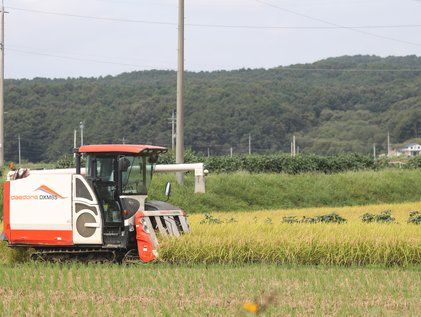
{"points": [[412, 149]]}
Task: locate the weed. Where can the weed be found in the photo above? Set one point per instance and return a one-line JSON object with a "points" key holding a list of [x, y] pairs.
{"points": [[329, 218], [231, 220], [209, 219], [415, 217], [383, 217], [290, 219], [368, 217]]}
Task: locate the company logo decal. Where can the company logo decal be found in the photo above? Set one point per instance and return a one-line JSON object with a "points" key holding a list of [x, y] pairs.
{"points": [[46, 194]]}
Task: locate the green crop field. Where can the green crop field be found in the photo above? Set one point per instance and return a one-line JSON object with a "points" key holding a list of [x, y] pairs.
{"points": [[163, 290]]}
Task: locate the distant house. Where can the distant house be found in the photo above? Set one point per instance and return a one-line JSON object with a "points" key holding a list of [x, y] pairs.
{"points": [[412, 149]]}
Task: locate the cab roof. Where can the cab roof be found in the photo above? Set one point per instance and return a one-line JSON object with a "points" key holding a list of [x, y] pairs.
{"points": [[122, 148]]}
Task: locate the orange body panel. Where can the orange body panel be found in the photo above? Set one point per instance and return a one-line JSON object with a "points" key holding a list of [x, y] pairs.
{"points": [[6, 210], [145, 246], [118, 148], [42, 237]]}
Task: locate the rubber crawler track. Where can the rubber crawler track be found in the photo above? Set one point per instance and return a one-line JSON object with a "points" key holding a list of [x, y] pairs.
{"points": [[85, 255]]}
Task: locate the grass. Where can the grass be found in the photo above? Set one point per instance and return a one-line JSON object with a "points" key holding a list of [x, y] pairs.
{"points": [[261, 237], [162, 290], [244, 191]]}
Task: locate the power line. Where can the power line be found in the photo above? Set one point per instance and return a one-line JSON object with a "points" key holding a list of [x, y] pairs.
{"points": [[334, 24], [84, 55], [93, 17], [263, 27], [224, 26], [75, 58], [288, 68]]}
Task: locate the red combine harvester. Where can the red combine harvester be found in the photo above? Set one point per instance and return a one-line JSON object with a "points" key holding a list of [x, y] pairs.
{"points": [[97, 213]]}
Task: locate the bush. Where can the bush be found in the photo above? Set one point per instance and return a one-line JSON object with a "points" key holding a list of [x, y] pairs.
{"points": [[189, 157], [283, 163], [66, 161], [414, 162], [415, 217], [332, 218], [329, 218], [367, 217], [275, 163], [279, 163], [383, 217]]}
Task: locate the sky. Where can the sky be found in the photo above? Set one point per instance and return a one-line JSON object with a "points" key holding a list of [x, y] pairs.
{"points": [[268, 33]]}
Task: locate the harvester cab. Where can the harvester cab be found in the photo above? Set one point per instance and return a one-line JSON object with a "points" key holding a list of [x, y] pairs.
{"points": [[99, 211]]}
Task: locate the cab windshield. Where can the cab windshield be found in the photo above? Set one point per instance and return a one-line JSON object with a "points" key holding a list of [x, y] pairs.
{"points": [[136, 175], [101, 169]]}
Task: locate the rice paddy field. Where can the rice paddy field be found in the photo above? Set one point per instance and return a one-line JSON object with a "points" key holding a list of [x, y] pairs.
{"points": [[263, 237], [241, 264]]}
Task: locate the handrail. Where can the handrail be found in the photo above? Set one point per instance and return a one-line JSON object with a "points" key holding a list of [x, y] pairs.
{"points": [[199, 173]]}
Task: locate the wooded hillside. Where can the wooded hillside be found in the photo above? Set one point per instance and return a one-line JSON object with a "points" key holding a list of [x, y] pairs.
{"points": [[334, 105]]}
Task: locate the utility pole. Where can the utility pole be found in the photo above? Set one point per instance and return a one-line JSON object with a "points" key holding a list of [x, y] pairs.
{"points": [[20, 161], [294, 148], [74, 141], [124, 140], [81, 132], [231, 151], [249, 144], [208, 152], [388, 144], [179, 156], [2, 86], [374, 150], [173, 135]]}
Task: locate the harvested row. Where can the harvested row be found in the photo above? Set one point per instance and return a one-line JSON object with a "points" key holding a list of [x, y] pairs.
{"points": [[218, 290], [261, 237]]}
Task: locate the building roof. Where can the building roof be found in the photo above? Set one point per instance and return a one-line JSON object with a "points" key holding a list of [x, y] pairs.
{"points": [[121, 148], [412, 144]]}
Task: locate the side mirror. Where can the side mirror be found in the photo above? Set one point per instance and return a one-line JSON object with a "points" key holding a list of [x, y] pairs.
{"points": [[153, 159], [168, 190]]}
